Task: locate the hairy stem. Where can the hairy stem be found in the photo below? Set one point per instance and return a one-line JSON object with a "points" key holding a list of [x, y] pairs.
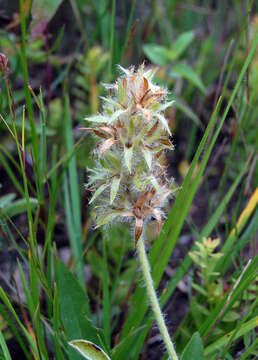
{"points": [[154, 300]]}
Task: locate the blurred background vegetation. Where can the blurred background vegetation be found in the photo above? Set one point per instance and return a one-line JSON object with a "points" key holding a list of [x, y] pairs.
{"points": [[55, 55]]}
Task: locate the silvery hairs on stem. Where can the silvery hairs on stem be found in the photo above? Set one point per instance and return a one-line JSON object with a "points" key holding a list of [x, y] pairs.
{"points": [[129, 177]]}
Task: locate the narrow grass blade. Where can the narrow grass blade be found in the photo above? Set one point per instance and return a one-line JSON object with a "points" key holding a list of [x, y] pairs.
{"points": [[26, 83], [106, 298], [251, 350], [233, 236], [4, 347], [245, 328], [245, 279], [112, 36], [72, 198], [11, 173], [16, 333], [9, 306]]}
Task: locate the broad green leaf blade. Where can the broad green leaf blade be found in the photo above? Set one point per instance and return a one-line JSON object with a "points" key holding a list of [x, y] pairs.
{"points": [[186, 72], [73, 306], [156, 53], [194, 349], [161, 55], [89, 350], [180, 45]]}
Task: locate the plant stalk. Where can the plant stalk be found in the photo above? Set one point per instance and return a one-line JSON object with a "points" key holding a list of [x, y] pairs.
{"points": [[154, 299]]}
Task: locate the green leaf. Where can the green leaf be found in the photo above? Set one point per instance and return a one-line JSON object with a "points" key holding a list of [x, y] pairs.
{"points": [[181, 105], [10, 308], [72, 303], [221, 342], [4, 347], [181, 43], [19, 206], [245, 279], [156, 53], [161, 55], [231, 316], [114, 188], [186, 72], [199, 288], [100, 6], [98, 192], [95, 261], [72, 198], [89, 350], [6, 199], [194, 349]]}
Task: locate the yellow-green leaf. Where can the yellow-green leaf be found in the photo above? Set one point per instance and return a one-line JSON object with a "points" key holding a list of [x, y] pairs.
{"points": [[89, 350]]}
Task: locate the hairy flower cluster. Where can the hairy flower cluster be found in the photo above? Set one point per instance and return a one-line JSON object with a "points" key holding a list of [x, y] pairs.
{"points": [[129, 178]]}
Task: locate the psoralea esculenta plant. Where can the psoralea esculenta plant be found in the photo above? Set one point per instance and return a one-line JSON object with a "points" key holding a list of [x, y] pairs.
{"points": [[129, 179], [130, 172]]}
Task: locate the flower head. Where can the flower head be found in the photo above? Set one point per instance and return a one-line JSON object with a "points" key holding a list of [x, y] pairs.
{"points": [[129, 178]]}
